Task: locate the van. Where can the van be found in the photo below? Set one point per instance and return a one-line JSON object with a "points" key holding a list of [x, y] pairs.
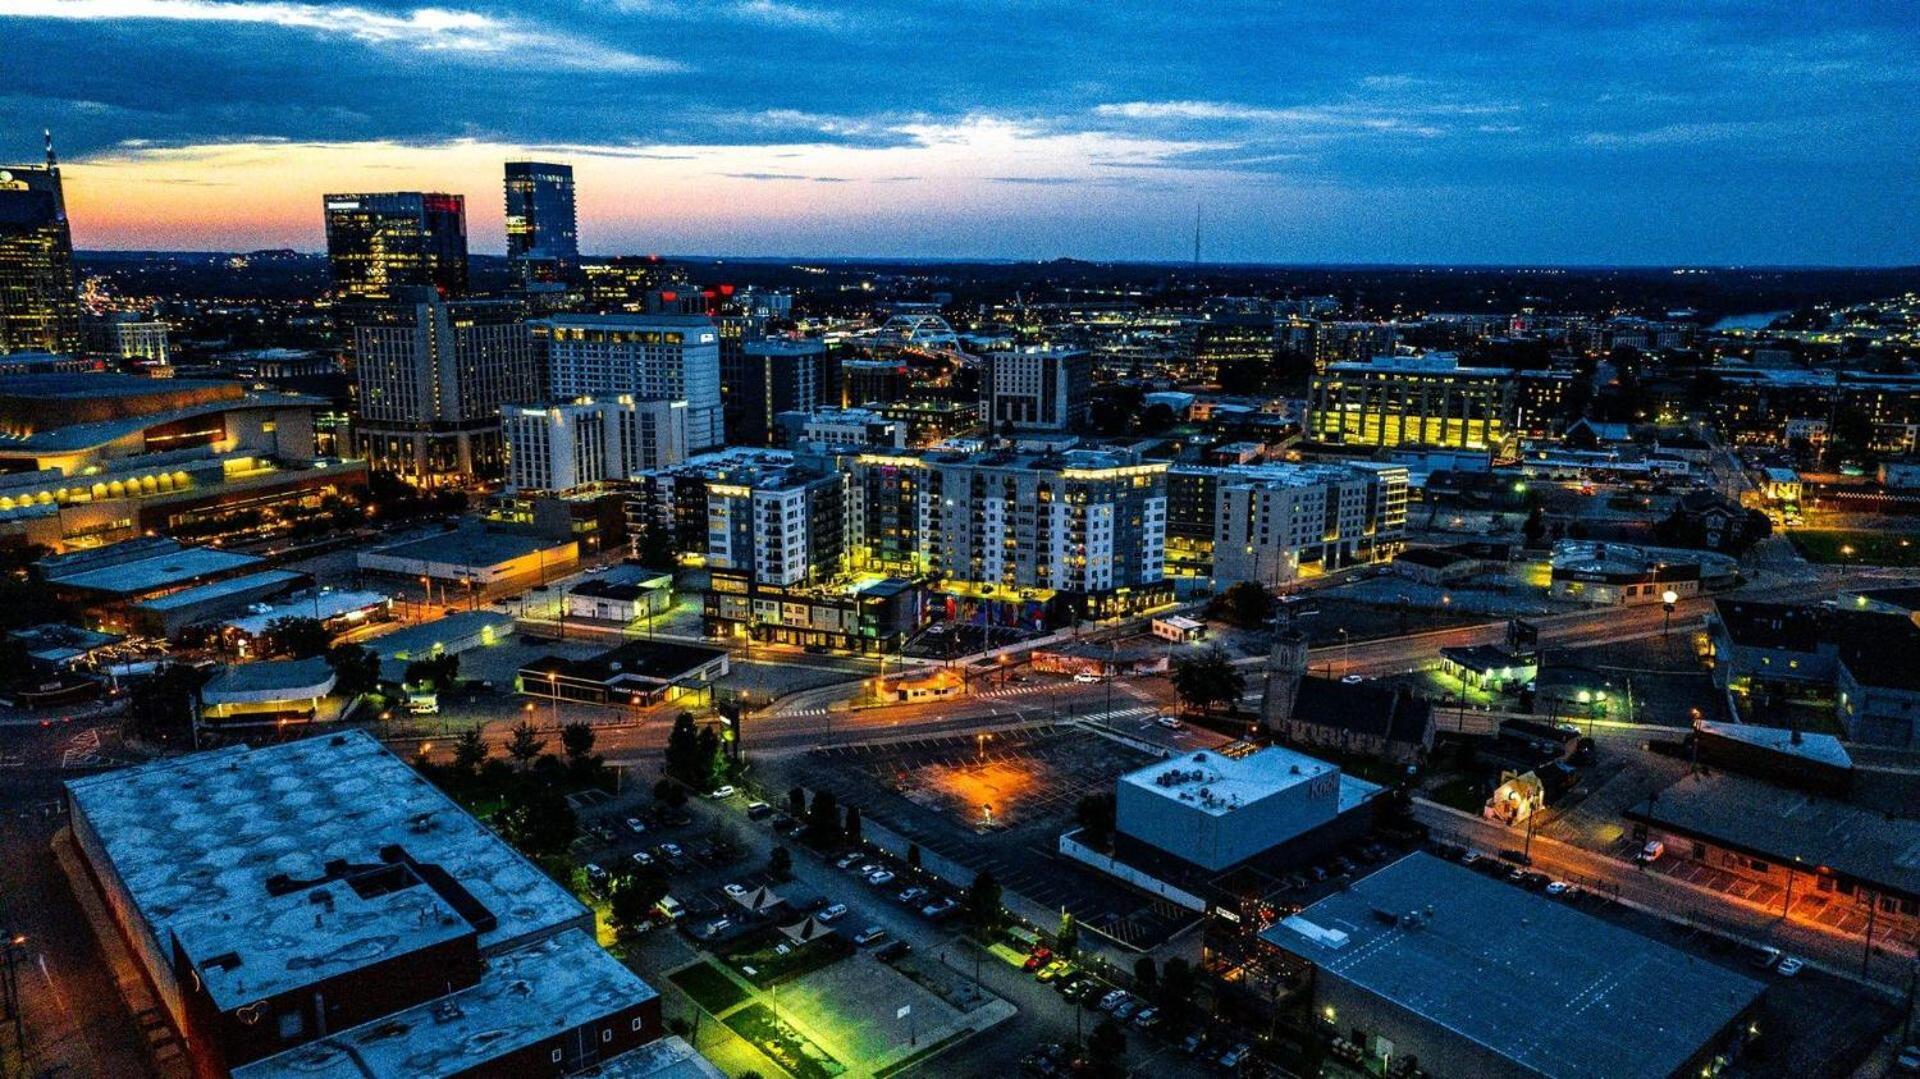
{"points": [[670, 908], [423, 704]]}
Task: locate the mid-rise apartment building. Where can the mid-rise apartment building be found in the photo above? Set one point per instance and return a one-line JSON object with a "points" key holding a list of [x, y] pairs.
{"points": [[568, 445], [647, 357]]}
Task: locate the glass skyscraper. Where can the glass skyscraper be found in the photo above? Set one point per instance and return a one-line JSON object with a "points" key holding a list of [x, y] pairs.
{"points": [[39, 297], [543, 239], [380, 244]]}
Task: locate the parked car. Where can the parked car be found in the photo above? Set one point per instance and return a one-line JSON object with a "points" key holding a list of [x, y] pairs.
{"points": [[869, 935], [642, 858], [1146, 1018], [879, 878], [1232, 1057], [1108, 1002], [721, 792], [939, 908], [893, 950], [1086, 679], [1765, 958], [1790, 966], [1559, 888], [672, 852], [735, 890], [1038, 958], [832, 913], [759, 811], [911, 894], [1124, 1010], [1169, 723], [1651, 852], [1056, 969], [634, 826], [846, 861]]}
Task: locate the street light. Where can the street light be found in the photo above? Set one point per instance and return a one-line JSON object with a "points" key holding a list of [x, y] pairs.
{"points": [[1667, 600]]}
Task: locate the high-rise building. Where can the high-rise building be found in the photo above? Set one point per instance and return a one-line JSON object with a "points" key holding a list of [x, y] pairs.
{"points": [[1233, 337], [566, 446], [543, 239], [626, 282], [380, 244], [1035, 389], [787, 525], [39, 294], [1263, 523], [125, 336], [647, 357], [1084, 528], [432, 374], [1412, 401], [765, 377]]}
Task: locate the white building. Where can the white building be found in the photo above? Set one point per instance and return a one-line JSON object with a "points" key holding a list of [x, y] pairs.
{"points": [[1216, 811], [787, 525], [646, 357], [563, 446], [843, 427], [1035, 389], [1262, 522]]}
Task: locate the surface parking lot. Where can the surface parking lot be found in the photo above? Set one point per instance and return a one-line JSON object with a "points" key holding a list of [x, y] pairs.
{"points": [[932, 792]]}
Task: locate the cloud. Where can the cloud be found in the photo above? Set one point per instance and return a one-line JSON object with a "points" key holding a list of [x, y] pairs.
{"points": [[442, 31], [1673, 135], [762, 12]]}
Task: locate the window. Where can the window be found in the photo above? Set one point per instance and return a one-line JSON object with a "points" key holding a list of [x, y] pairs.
{"points": [[636, 1024], [292, 1025], [556, 1056], [606, 1035]]}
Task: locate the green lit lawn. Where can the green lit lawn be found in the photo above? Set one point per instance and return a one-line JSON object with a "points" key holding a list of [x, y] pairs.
{"points": [[787, 1047], [758, 961], [1836, 547], [709, 986], [1462, 792]]}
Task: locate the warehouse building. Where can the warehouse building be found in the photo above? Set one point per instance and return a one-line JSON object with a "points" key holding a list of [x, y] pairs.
{"points": [[1469, 975]]}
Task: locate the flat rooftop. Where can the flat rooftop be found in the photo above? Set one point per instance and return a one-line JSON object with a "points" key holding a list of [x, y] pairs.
{"points": [[195, 839], [205, 593], [523, 997], [667, 1058], [1779, 824], [423, 638], [1821, 748], [293, 676], [325, 604], [470, 547], [1218, 785], [660, 661], [140, 576], [1555, 990]]}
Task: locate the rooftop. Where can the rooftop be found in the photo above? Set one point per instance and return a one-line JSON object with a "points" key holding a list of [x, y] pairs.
{"points": [[204, 593], [1782, 824], [261, 681], [1218, 785], [196, 839], [1820, 748], [157, 571], [523, 997], [469, 547], [661, 661], [1557, 991], [422, 638], [323, 604], [667, 1058]]}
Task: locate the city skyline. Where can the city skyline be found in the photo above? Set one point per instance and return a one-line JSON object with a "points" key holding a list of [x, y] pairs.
{"points": [[1727, 136]]}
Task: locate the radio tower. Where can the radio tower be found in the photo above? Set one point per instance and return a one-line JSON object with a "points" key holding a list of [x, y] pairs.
{"points": [[1196, 235]]}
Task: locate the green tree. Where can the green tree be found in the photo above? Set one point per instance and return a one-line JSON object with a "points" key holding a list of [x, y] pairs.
{"points": [[1176, 990], [1207, 680], [823, 819], [780, 863], [525, 744], [436, 673], [1106, 1048], [1534, 528], [1096, 814], [654, 548], [797, 803], [470, 751], [1247, 604], [301, 638], [983, 902], [356, 671], [709, 758], [1066, 939], [162, 708], [683, 749], [852, 827], [537, 820], [633, 896], [1146, 977], [576, 740]]}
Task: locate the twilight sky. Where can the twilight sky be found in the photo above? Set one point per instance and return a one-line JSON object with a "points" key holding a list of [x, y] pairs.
{"points": [[1577, 131]]}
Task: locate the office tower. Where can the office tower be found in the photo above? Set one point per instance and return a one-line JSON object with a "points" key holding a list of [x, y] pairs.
{"points": [[39, 294], [543, 240], [1233, 337], [378, 245], [1411, 401], [432, 374], [874, 381], [765, 377], [1035, 390], [568, 445], [625, 283], [1086, 527], [647, 357]]}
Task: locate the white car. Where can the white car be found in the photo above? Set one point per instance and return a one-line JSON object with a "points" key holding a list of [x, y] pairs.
{"points": [[1651, 852], [1558, 888], [1352, 680], [634, 826], [1789, 966], [735, 890], [831, 913], [1169, 723], [1086, 679], [879, 878], [718, 793]]}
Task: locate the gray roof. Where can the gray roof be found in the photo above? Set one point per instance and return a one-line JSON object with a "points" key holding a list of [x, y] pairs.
{"points": [[1555, 990], [296, 676], [1780, 824], [524, 997], [470, 547], [160, 571], [195, 839], [189, 597]]}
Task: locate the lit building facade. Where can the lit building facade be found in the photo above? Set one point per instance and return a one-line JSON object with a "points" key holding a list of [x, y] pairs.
{"points": [[39, 295], [380, 244], [770, 375], [129, 338], [1035, 389], [647, 357], [1411, 401], [566, 446], [543, 236], [431, 376], [1266, 523]]}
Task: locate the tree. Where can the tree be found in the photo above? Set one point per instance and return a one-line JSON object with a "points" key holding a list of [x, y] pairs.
{"points": [[1066, 939], [683, 749], [1207, 680], [1534, 529], [913, 849], [1176, 990], [1106, 1047], [1096, 814], [823, 819], [470, 751], [162, 708], [537, 820], [526, 743], [852, 827], [780, 863], [301, 638], [797, 803], [1247, 604], [435, 672], [655, 548], [1146, 978], [1156, 418], [356, 671], [709, 763], [576, 740], [1242, 377], [983, 901], [633, 896]]}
